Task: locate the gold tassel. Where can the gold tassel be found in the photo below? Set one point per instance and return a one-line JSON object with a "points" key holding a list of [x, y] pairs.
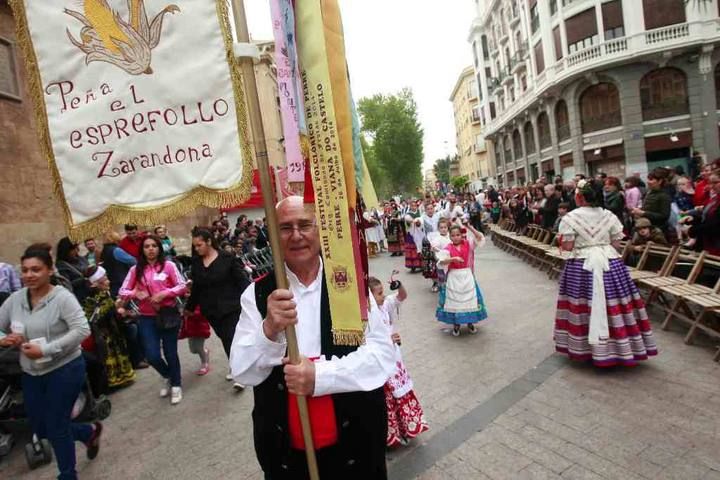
{"points": [[348, 338], [117, 214]]}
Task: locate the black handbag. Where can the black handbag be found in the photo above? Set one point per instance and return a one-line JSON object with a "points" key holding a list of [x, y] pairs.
{"points": [[168, 318]]}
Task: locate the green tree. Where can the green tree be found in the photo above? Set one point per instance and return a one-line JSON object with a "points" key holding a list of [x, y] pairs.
{"points": [[442, 169], [459, 183], [377, 174], [395, 139]]}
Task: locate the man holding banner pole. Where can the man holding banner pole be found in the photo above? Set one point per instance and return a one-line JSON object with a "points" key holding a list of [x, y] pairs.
{"points": [[343, 382]]}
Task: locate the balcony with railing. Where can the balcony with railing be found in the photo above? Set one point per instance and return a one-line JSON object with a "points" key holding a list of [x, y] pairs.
{"points": [[517, 62], [607, 52], [507, 77]]}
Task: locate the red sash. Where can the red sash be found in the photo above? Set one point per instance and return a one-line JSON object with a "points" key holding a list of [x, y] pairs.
{"points": [[322, 421]]}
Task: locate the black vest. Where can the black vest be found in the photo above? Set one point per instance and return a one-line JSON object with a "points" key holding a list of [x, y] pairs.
{"points": [[361, 418]]}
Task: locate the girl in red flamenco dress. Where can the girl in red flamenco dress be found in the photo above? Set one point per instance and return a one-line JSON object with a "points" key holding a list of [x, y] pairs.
{"points": [[406, 419]]}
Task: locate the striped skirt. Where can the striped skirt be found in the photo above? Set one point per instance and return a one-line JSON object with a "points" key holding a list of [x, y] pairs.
{"points": [[429, 262], [631, 338], [412, 256]]}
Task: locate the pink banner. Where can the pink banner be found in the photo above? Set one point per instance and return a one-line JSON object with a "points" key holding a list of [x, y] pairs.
{"points": [[287, 77]]}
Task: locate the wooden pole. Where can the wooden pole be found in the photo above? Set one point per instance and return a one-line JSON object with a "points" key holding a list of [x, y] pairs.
{"points": [[258, 131]]}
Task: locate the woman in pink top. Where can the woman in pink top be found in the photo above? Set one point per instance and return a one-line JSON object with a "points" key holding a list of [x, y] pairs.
{"points": [[155, 283], [633, 195]]}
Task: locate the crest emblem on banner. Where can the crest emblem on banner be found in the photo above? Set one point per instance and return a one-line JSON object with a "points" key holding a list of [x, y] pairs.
{"points": [[107, 37], [340, 278]]}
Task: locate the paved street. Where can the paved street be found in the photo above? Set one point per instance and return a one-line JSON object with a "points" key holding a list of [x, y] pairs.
{"points": [[499, 403]]}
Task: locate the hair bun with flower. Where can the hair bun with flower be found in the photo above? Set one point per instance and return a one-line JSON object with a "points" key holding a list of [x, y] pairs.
{"points": [[583, 186]]}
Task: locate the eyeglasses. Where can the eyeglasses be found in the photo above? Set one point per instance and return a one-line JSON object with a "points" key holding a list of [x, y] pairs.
{"points": [[287, 229]]}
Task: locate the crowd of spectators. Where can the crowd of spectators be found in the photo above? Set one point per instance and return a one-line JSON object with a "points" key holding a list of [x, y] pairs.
{"points": [[669, 208]]}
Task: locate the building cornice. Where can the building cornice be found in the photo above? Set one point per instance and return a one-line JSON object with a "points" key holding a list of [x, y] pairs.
{"points": [[467, 72]]}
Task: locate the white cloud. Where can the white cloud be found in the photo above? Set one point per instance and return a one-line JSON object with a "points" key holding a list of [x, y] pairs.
{"points": [[392, 44]]}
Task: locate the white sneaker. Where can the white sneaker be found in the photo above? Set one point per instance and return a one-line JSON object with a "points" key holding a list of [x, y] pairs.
{"points": [[238, 386], [175, 395], [229, 377], [165, 388]]}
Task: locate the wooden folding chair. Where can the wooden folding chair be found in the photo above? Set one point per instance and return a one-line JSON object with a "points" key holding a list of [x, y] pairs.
{"points": [[666, 279], [687, 289], [540, 250], [638, 272], [670, 256], [709, 305]]}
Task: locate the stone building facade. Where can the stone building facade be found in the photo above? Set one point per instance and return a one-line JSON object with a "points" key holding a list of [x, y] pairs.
{"points": [[472, 153], [588, 86]]}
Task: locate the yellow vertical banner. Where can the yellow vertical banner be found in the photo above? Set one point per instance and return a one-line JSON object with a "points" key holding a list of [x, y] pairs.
{"points": [[335, 42], [327, 169]]}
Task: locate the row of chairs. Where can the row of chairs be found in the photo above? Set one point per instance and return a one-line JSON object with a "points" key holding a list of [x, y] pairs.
{"points": [[686, 288], [684, 284], [261, 262], [532, 243]]}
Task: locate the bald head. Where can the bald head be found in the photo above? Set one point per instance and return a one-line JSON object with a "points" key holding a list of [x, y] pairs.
{"points": [[293, 205]]}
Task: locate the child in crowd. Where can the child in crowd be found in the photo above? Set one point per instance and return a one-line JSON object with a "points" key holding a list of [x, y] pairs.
{"points": [[438, 241], [563, 209], [406, 419], [645, 232], [682, 206], [167, 242], [460, 301], [495, 212], [197, 329]]}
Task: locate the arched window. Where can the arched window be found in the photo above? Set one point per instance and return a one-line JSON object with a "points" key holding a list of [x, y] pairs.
{"points": [[600, 107], [508, 152], [717, 83], [663, 93], [562, 121], [544, 130], [496, 147], [517, 144], [529, 138]]}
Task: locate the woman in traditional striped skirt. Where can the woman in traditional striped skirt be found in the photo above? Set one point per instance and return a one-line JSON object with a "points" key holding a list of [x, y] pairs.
{"points": [[430, 220], [414, 235], [600, 314], [395, 233]]}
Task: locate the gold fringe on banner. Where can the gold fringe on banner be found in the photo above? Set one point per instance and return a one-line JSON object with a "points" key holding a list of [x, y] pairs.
{"points": [[118, 214], [348, 338]]}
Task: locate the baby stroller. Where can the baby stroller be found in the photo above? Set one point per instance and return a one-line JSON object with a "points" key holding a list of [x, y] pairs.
{"points": [[38, 451]]}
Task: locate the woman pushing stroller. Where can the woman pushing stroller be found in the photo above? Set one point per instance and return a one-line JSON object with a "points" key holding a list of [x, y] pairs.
{"points": [[47, 324]]}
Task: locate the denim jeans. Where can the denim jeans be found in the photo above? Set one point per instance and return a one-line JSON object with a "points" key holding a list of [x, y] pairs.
{"points": [[132, 338], [49, 400], [153, 340]]}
